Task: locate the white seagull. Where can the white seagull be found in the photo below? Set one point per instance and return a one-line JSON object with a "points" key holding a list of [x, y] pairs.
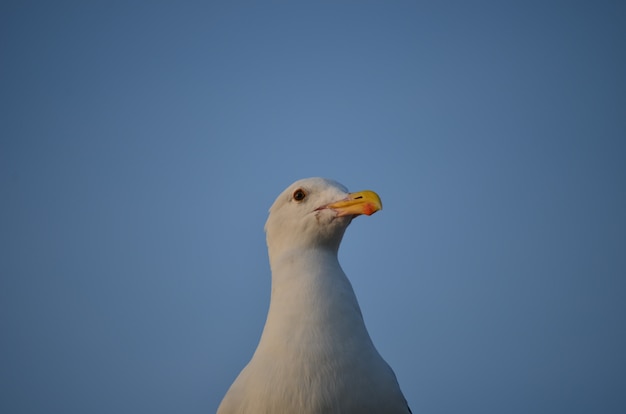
{"points": [[315, 354]]}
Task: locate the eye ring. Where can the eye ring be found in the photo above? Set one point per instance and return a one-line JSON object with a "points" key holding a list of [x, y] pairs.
{"points": [[299, 195]]}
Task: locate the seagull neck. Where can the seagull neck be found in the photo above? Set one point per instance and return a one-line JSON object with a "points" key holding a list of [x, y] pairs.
{"points": [[303, 259], [311, 300], [311, 280]]}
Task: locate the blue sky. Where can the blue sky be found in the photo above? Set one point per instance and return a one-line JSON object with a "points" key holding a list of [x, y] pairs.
{"points": [[142, 143]]}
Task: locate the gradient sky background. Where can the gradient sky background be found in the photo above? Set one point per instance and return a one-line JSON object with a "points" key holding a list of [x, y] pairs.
{"points": [[142, 143]]}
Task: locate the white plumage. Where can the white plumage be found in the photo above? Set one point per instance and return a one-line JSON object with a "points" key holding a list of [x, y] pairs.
{"points": [[315, 354]]}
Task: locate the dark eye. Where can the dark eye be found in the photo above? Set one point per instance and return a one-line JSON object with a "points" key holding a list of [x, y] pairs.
{"points": [[299, 194]]}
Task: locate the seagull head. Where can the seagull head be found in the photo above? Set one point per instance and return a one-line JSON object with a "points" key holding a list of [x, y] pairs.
{"points": [[314, 213]]}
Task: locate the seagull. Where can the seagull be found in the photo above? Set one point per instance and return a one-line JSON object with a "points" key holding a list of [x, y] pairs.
{"points": [[315, 354]]}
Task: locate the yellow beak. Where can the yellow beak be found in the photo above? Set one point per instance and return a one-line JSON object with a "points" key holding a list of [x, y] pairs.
{"points": [[363, 202]]}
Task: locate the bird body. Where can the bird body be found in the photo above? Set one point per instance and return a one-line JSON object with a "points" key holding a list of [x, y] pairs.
{"points": [[315, 354]]}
